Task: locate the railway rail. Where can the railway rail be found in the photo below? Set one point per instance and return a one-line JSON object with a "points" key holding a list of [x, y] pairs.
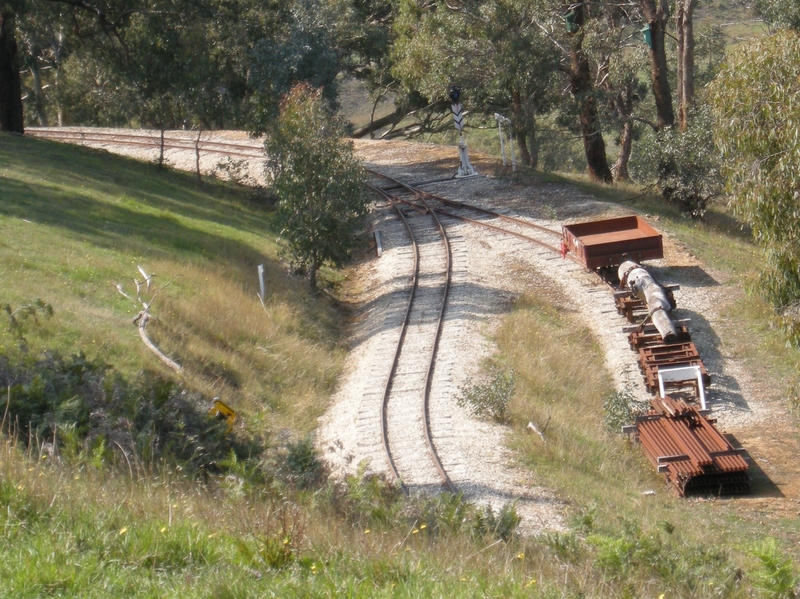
{"points": [[405, 401], [678, 439], [144, 140]]}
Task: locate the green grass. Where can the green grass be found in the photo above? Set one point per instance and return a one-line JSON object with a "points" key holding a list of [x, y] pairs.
{"points": [[74, 222]]}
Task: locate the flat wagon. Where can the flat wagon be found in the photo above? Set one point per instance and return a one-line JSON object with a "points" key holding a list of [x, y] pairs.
{"points": [[609, 242]]}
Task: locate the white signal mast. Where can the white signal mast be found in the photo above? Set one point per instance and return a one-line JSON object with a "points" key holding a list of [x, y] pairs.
{"points": [[465, 169]]}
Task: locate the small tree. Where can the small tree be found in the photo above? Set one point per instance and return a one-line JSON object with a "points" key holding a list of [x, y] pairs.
{"points": [[318, 181]]}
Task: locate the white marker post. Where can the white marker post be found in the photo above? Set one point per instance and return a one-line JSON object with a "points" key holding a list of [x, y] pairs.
{"points": [[261, 281], [465, 169]]}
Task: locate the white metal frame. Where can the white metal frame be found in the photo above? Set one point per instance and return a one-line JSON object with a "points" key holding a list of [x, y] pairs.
{"points": [[682, 373]]}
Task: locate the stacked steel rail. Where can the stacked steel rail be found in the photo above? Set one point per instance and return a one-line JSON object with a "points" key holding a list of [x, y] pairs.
{"points": [[684, 445], [678, 439]]}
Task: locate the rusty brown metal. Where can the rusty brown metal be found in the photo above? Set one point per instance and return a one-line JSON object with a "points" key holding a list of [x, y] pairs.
{"points": [[609, 242], [656, 356], [690, 451]]}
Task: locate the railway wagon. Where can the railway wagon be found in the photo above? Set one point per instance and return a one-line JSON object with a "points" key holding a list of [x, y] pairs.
{"points": [[609, 242]]}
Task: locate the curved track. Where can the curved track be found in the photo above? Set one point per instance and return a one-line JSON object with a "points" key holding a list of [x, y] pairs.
{"points": [[520, 228], [405, 403], [171, 142]]}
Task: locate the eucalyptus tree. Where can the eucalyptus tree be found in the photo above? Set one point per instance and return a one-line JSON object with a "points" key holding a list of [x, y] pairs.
{"points": [[11, 117], [756, 102], [318, 180], [493, 50]]}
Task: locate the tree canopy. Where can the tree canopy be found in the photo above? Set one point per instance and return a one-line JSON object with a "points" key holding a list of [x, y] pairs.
{"points": [[756, 100], [318, 180]]}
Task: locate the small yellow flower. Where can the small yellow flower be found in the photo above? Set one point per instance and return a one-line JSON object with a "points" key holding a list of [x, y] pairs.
{"points": [[123, 530], [366, 532], [44, 456], [286, 541], [662, 595], [520, 555], [415, 531], [212, 535], [163, 529], [77, 477], [531, 583], [423, 526]]}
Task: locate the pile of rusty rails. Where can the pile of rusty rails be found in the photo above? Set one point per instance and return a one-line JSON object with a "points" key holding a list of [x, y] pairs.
{"points": [[678, 439]]}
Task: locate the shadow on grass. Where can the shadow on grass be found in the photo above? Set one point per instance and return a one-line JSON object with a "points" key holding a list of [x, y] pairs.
{"points": [[761, 485], [124, 180], [111, 225]]}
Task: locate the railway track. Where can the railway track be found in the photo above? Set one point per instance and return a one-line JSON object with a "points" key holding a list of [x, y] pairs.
{"points": [[144, 140], [402, 404], [543, 237], [417, 311]]}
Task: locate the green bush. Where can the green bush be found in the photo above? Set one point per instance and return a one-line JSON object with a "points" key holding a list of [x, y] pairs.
{"points": [[775, 575], [302, 466], [490, 399], [621, 408], [684, 165], [92, 412]]}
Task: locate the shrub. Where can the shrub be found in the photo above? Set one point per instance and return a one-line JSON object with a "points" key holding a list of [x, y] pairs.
{"points": [[490, 399], [302, 466], [501, 526], [775, 574], [91, 410], [621, 408], [684, 165]]}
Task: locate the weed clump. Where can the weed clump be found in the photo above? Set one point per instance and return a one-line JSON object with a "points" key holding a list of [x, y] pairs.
{"points": [[621, 408], [86, 411], [489, 399]]}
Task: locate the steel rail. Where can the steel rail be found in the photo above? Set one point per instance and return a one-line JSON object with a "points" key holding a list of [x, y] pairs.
{"points": [[437, 198], [393, 200], [488, 225], [390, 379], [171, 143]]}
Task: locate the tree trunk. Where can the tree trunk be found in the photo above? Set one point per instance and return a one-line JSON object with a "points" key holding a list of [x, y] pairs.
{"points": [[624, 106], [656, 16], [313, 272], [533, 145], [685, 31], [582, 91], [624, 156], [520, 129], [38, 95], [11, 117], [373, 126]]}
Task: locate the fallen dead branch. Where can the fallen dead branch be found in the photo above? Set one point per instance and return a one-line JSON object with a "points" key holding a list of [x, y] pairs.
{"points": [[143, 317]]}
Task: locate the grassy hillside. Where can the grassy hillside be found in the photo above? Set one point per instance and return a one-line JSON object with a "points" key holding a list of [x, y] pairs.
{"points": [[76, 222], [88, 521]]}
